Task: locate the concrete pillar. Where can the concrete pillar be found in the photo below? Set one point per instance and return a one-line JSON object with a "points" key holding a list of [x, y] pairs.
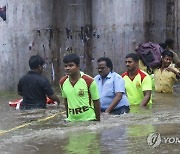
{"points": [[74, 32], [118, 27], [177, 26], [156, 20]]}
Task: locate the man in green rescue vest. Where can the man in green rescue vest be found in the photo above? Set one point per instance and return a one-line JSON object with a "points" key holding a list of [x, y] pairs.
{"points": [[79, 91]]}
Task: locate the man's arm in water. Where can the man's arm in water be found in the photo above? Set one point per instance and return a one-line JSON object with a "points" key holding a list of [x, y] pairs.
{"points": [[97, 109]]}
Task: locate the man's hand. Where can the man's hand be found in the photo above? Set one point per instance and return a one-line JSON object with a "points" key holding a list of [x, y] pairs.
{"points": [[174, 71], [170, 70]]}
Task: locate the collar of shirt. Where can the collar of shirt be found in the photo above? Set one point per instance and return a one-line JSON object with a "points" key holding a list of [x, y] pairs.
{"points": [[107, 77], [33, 72], [81, 73]]}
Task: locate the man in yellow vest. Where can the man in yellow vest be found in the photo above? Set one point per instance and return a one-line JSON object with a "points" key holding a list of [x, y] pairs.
{"points": [[138, 83]]}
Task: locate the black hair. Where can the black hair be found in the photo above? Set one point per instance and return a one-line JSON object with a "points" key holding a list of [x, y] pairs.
{"points": [[71, 58], [167, 53], [134, 56], [163, 45], [169, 42], [107, 60], [36, 61]]}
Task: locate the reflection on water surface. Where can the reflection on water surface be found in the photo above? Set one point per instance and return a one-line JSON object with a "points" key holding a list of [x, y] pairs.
{"points": [[114, 134]]}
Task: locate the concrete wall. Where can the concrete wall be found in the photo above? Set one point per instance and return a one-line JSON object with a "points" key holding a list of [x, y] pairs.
{"points": [[98, 28], [177, 25], [73, 32], [90, 28], [156, 20], [120, 26], [114, 28], [20, 38], [163, 21]]}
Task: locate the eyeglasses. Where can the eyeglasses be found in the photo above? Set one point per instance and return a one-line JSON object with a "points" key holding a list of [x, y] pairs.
{"points": [[101, 68]]}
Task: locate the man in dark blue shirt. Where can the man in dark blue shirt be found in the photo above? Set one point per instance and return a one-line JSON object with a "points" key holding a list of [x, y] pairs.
{"points": [[34, 87]]}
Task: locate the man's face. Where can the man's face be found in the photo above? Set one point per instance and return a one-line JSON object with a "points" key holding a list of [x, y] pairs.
{"points": [[70, 68], [166, 61], [131, 65], [103, 69]]}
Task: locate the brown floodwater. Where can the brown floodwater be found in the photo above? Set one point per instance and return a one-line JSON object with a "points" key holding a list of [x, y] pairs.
{"points": [[46, 132]]}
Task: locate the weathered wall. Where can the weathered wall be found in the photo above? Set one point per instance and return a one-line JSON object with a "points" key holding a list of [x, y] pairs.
{"points": [[90, 28], [97, 28], [20, 38], [177, 25], [163, 21], [73, 32], [156, 20], [120, 26], [115, 28]]}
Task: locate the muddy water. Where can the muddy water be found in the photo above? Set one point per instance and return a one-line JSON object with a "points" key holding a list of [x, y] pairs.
{"points": [[44, 131]]}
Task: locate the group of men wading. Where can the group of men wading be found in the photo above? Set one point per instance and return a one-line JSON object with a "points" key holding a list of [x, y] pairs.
{"points": [[86, 98]]}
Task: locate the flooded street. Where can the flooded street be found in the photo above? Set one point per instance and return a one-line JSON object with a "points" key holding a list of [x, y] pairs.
{"points": [[45, 132]]}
